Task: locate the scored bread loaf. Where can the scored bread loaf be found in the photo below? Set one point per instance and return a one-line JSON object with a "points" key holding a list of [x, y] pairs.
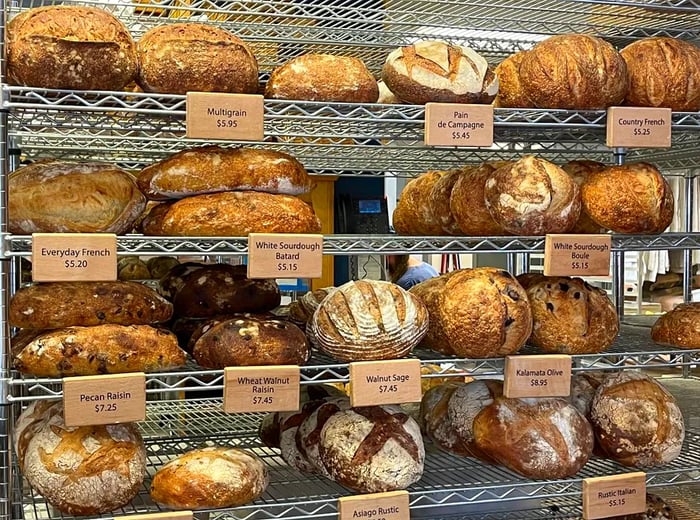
{"points": [[291, 447], [211, 169], [413, 214], [468, 205], [679, 327], [580, 170], [434, 421], [439, 201]]}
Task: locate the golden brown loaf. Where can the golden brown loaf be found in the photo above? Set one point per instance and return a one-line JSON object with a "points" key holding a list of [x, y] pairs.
{"points": [[510, 89], [629, 198], [72, 197], [367, 320], [433, 70], [235, 214], [532, 197], [663, 72], [70, 47], [210, 169], [580, 170], [429, 292], [86, 470], [182, 57], [570, 316], [323, 77], [468, 205], [210, 477], [54, 305], [439, 201], [574, 71], [413, 214], [679, 327], [100, 349]]}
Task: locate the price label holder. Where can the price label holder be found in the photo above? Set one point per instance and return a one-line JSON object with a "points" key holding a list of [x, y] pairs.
{"points": [[169, 515], [615, 495], [107, 399], [66, 257], [213, 115], [577, 255], [392, 505], [548, 375], [261, 389], [272, 255], [451, 124], [392, 381], [635, 127]]}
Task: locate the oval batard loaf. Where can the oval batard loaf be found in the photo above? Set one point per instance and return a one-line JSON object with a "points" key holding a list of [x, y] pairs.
{"points": [[210, 477], [413, 214], [73, 197], [580, 170], [100, 349], [54, 305], [368, 320], [679, 327], [468, 205], [510, 89], [211, 169]]}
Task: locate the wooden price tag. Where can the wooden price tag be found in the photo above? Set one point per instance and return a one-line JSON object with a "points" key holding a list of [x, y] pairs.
{"points": [[214, 115], [451, 124], [65, 257], [261, 389], [108, 399], [577, 255], [392, 505], [169, 515], [273, 255], [547, 375], [615, 495], [635, 127], [392, 381]]}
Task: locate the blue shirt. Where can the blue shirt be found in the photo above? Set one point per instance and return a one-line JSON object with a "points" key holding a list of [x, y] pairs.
{"points": [[416, 274]]}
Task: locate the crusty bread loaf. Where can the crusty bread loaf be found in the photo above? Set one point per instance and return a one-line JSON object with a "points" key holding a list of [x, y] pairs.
{"points": [[210, 477], [413, 214], [182, 57], [532, 197], [323, 77], [100, 349], [62, 196], [70, 47], [86, 470], [369, 319], [574, 71], [629, 198], [663, 72], [429, 292], [54, 305], [433, 70], [583, 389], [434, 421], [210, 169], [235, 213], [679, 327], [468, 205], [439, 201], [510, 89], [580, 170], [636, 420]]}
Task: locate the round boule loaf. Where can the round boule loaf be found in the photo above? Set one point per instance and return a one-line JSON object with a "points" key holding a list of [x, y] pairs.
{"points": [[413, 214], [368, 320], [468, 204], [580, 170], [510, 89], [679, 327]]}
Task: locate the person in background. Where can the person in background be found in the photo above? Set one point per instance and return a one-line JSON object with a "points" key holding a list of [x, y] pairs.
{"points": [[406, 271]]}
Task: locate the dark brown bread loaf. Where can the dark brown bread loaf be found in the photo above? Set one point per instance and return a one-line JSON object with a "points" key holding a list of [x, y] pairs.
{"points": [[70, 47], [679, 327], [413, 214], [580, 170]]}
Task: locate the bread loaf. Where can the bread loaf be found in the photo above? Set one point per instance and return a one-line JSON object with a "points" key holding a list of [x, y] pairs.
{"points": [[636, 420], [439, 201], [510, 89], [434, 421], [532, 197], [580, 170], [290, 449], [663, 72], [629, 198], [86, 470], [70, 47], [100, 349], [468, 204], [211, 169], [413, 214], [210, 477], [679, 327], [53, 305], [158, 266], [132, 268], [65, 197], [372, 449], [433, 70], [429, 292], [574, 71], [367, 320], [323, 77], [182, 57]]}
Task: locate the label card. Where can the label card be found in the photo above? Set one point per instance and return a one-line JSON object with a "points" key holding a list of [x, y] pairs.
{"points": [[272, 255], [392, 505], [635, 127], [451, 124], [215, 115], [548, 375], [577, 255], [66, 257], [391, 381], [261, 389], [615, 495], [169, 515], [108, 399]]}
